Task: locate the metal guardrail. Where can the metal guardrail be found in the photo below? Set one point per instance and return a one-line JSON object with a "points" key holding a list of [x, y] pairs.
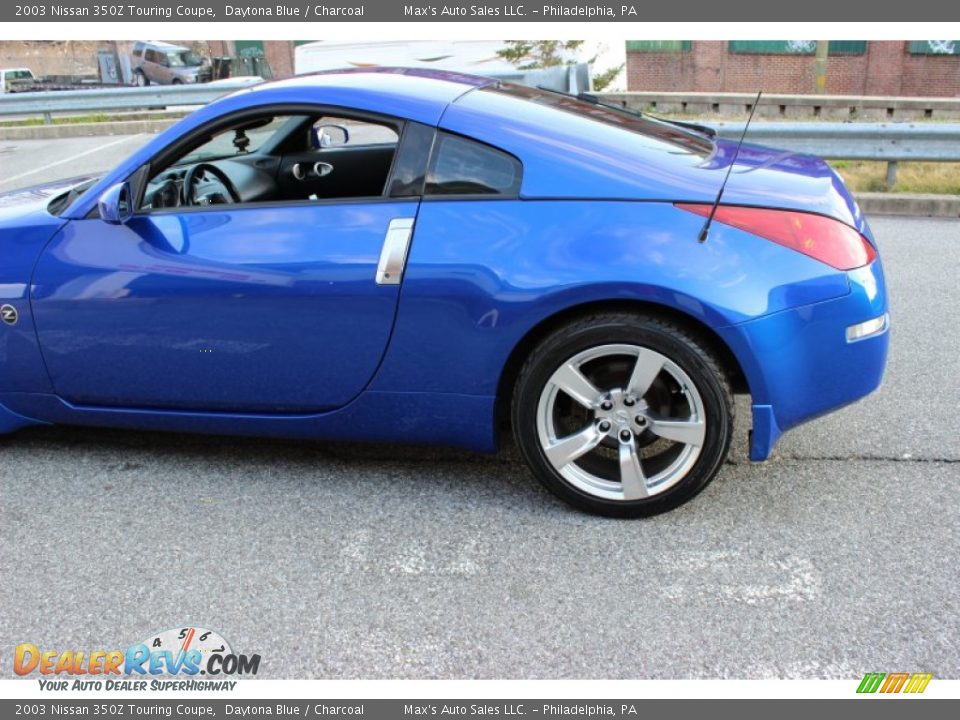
{"points": [[889, 142], [795, 107], [571, 78], [118, 98], [937, 142]]}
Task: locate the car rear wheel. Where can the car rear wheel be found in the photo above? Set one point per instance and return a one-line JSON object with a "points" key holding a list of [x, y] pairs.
{"points": [[140, 79], [623, 415]]}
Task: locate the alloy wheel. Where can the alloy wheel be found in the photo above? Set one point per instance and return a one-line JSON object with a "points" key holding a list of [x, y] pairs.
{"points": [[621, 422]]}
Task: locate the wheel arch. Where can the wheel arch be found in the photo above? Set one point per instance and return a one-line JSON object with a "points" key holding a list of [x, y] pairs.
{"points": [[518, 355]]}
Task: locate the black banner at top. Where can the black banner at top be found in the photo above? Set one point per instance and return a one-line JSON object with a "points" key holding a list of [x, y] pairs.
{"points": [[426, 11]]}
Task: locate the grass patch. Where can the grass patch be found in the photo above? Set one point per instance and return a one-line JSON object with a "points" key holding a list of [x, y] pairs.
{"points": [[94, 118], [941, 178], [66, 120]]}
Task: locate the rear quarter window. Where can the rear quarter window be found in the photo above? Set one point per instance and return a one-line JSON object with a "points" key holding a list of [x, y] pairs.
{"points": [[460, 166]]}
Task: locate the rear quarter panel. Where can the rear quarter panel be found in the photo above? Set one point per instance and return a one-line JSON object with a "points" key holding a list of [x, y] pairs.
{"points": [[481, 274]]}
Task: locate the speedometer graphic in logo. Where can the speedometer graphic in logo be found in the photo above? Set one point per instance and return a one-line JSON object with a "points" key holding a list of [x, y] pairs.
{"points": [[183, 640], [188, 651]]}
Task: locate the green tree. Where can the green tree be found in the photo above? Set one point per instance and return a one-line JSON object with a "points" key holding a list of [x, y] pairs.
{"points": [[536, 54]]}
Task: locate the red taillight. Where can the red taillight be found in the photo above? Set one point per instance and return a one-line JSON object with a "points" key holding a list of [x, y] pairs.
{"points": [[823, 239]]}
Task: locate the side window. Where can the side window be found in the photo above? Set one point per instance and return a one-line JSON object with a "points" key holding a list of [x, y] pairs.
{"points": [[275, 157], [226, 167], [460, 166]]}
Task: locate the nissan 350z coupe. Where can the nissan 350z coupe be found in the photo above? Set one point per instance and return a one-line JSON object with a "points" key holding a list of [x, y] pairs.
{"points": [[402, 255]]}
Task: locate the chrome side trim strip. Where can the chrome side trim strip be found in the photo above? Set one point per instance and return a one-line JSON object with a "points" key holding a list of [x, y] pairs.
{"points": [[393, 256]]}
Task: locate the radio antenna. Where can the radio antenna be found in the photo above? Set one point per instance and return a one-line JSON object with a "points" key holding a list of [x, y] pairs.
{"points": [[705, 230]]}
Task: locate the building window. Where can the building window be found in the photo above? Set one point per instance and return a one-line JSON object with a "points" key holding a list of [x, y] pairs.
{"points": [[934, 47], [655, 46], [795, 47]]}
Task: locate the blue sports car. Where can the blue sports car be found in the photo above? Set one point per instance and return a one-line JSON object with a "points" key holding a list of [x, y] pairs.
{"points": [[412, 256]]}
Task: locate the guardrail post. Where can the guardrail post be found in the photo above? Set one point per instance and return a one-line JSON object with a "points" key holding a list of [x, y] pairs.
{"points": [[891, 174], [47, 119]]}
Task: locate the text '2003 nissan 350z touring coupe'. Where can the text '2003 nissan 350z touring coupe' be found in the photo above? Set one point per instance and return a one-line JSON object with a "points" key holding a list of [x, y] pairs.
{"points": [[413, 256]]}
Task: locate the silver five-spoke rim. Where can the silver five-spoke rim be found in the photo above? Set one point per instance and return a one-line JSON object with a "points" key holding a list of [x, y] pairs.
{"points": [[621, 422]]}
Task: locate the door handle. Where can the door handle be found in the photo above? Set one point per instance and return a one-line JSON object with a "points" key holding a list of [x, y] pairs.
{"points": [[393, 255]]}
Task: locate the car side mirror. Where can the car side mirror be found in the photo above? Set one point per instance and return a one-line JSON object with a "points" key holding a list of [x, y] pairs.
{"points": [[324, 136], [115, 205]]}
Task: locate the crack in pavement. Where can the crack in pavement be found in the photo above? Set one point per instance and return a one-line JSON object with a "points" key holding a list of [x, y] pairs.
{"points": [[850, 458]]}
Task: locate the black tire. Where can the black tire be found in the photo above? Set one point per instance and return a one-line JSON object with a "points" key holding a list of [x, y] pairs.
{"points": [[678, 345], [140, 79]]}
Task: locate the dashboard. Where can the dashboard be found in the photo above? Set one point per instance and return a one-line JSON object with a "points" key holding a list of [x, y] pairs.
{"points": [[254, 179]]}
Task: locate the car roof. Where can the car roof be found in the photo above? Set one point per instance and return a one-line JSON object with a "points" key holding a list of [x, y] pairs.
{"points": [[417, 94], [160, 45], [399, 81]]}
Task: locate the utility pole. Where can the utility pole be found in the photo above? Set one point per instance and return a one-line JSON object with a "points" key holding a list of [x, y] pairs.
{"points": [[823, 46], [122, 78]]}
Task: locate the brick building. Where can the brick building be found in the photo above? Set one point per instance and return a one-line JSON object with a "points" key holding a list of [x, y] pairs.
{"points": [[917, 68], [277, 53], [79, 57]]}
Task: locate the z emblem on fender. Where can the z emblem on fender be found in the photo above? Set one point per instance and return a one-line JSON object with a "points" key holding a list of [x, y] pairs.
{"points": [[9, 314]]}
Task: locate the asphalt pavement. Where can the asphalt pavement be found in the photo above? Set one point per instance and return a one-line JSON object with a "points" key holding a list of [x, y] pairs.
{"points": [[33, 162], [835, 558]]}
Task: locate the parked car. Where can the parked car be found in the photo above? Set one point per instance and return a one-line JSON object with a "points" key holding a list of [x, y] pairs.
{"points": [[11, 78], [166, 64], [428, 257]]}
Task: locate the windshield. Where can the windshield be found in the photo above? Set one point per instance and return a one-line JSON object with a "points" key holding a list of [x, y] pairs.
{"points": [[9, 76], [185, 58], [228, 144]]}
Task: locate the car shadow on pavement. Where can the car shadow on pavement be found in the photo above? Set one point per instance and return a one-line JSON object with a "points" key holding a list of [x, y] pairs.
{"points": [[206, 460], [209, 462]]}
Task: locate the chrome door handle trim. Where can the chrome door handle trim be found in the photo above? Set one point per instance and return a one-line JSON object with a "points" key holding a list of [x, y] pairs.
{"points": [[393, 256]]}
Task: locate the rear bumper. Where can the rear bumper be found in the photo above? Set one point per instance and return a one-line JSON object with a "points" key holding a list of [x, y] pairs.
{"points": [[800, 364]]}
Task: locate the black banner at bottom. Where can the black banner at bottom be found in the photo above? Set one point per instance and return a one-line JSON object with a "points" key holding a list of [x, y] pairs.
{"points": [[874, 708]]}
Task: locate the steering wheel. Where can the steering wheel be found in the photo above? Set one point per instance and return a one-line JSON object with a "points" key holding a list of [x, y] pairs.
{"points": [[197, 173]]}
